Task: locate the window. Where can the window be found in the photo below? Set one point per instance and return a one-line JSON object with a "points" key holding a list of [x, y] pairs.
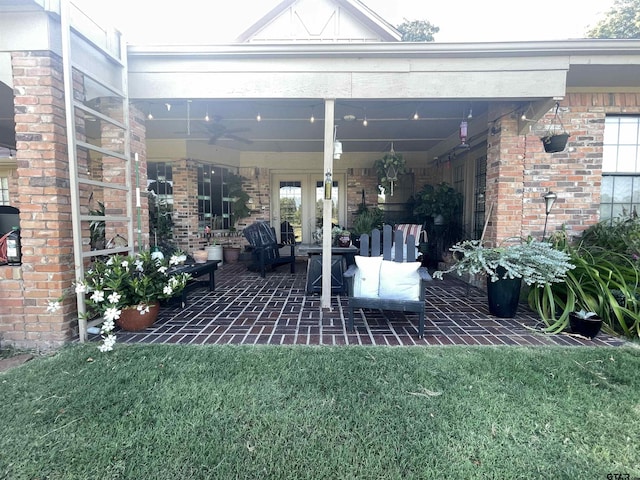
{"points": [[480, 201], [160, 186], [620, 166], [214, 204], [4, 190]]}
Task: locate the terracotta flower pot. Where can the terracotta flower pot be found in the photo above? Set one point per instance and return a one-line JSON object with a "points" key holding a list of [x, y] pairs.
{"points": [[231, 254], [200, 256], [131, 319]]}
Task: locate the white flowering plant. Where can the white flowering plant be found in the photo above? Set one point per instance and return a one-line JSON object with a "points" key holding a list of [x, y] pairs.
{"points": [[115, 282], [536, 263]]}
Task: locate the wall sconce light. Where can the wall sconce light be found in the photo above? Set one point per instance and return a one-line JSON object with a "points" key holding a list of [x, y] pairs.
{"points": [[549, 199]]}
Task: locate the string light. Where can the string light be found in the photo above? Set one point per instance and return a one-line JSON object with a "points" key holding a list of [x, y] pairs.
{"points": [[416, 116], [365, 122], [206, 116], [258, 117]]}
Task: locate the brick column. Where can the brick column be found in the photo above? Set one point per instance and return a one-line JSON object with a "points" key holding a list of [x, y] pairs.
{"points": [[185, 206], [45, 212], [505, 176]]}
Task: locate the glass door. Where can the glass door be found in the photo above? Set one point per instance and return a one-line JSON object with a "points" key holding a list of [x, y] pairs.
{"points": [[319, 197], [297, 206], [289, 213]]}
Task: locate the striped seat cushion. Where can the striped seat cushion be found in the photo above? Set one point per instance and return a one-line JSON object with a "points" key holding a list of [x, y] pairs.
{"points": [[411, 229]]}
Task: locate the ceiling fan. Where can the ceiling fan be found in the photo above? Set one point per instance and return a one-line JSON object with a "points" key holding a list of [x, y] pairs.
{"points": [[219, 131]]}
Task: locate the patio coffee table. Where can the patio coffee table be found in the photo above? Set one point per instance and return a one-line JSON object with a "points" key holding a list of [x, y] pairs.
{"points": [[339, 257], [196, 270]]}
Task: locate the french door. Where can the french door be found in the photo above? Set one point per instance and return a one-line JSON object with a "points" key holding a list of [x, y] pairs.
{"points": [[297, 200]]}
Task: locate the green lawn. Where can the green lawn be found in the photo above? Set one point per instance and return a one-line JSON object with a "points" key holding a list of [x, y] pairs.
{"points": [[176, 412]]}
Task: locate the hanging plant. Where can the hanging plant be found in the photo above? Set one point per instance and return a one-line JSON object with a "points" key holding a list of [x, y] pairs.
{"points": [[389, 168], [556, 137]]}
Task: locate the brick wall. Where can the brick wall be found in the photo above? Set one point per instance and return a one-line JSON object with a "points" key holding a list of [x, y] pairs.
{"points": [[520, 172], [40, 188], [45, 210]]}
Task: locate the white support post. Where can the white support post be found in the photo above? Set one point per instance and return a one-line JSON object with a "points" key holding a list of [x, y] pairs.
{"points": [[325, 300]]}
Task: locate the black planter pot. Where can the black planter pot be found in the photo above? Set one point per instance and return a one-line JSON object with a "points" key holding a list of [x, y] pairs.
{"points": [[555, 143], [503, 295], [587, 327]]}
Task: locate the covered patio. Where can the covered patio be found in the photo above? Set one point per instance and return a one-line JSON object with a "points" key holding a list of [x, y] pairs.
{"points": [[247, 309]]}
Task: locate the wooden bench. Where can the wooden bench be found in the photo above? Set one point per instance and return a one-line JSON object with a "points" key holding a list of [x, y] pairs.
{"points": [[265, 249], [386, 280]]}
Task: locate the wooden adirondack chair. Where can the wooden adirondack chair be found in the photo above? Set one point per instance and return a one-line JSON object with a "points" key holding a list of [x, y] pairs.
{"points": [[387, 282], [265, 249]]}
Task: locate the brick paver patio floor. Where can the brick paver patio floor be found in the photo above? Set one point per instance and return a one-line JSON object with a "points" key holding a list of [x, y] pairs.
{"points": [[247, 309]]}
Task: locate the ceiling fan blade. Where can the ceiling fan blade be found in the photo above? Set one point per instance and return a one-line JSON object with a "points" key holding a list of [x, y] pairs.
{"points": [[238, 139]]}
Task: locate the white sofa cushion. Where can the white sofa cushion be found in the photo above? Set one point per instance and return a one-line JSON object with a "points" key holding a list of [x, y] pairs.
{"points": [[367, 278], [399, 281]]}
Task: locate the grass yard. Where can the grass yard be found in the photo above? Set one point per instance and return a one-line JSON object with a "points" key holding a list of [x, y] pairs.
{"points": [[265, 412]]}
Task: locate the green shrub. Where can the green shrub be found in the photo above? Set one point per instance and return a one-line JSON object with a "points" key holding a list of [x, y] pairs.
{"points": [[604, 280]]}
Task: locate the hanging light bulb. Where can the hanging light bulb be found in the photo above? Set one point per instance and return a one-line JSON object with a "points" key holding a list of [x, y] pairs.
{"points": [[149, 116], [470, 116], [416, 116], [365, 122], [312, 119], [258, 117], [206, 116]]}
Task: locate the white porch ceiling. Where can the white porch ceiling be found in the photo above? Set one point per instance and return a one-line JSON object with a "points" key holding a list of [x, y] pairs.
{"points": [[285, 124]]}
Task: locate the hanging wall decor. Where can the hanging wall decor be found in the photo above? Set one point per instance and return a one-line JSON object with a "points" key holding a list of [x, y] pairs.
{"points": [[389, 168]]}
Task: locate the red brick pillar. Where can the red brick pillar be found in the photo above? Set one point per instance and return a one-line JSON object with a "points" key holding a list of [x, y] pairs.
{"points": [[185, 206], [505, 176], [43, 198]]}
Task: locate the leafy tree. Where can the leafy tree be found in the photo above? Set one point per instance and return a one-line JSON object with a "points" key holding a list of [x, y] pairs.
{"points": [[622, 21], [417, 30]]}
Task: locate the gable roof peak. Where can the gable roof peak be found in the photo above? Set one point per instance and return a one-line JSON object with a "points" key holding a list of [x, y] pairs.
{"points": [[285, 21]]}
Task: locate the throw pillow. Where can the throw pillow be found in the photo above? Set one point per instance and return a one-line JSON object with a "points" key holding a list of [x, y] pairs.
{"points": [[399, 281], [367, 279]]}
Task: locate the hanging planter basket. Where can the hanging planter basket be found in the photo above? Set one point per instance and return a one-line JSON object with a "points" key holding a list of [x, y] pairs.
{"points": [[389, 168], [555, 143], [556, 137]]}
